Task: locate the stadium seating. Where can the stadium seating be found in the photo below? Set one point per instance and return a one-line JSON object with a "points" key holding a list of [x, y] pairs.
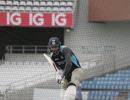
{"points": [[30, 5], [118, 81], [1, 8], [129, 96], [16, 3], [19, 74]]}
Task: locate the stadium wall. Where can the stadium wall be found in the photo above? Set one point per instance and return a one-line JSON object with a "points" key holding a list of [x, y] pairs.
{"points": [[112, 38]]}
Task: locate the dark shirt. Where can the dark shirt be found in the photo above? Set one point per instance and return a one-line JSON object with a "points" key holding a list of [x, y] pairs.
{"points": [[66, 60]]}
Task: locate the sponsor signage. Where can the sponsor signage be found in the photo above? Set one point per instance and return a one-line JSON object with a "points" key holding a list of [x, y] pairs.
{"points": [[47, 19]]}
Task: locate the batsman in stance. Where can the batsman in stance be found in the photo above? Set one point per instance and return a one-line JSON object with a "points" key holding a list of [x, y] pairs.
{"points": [[70, 71]]}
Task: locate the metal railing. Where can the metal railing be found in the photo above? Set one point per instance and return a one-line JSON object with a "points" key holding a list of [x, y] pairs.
{"points": [[26, 49]]}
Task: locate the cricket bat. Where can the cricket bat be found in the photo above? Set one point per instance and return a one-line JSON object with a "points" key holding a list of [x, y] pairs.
{"points": [[51, 62], [59, 72]]}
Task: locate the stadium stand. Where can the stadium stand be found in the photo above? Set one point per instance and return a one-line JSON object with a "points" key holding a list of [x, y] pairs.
{"points": [[25, 60], [31, 71], [112, 83], [22, 71], [110, 86], [23, 5], [20, 77]]}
